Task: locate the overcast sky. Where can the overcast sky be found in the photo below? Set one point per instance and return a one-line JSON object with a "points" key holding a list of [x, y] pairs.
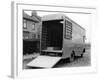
{"points": [[82, 19]]}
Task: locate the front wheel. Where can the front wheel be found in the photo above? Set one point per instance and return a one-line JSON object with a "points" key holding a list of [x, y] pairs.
{"points": [[82, 53], [72, 57]]}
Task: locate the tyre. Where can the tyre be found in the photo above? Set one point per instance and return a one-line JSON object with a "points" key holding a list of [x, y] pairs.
{"points": [[72, 57], [82, 53]]}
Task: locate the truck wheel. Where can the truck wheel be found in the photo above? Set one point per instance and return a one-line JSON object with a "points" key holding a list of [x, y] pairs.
{"points": [[82, 53], [72, 57]]}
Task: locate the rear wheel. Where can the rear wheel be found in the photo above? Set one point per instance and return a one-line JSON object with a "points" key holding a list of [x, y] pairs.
{"points": [[72, 57], [82, 53]]}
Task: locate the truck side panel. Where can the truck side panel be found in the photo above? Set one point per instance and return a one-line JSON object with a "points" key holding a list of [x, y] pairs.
{"points": [[75, 43]]}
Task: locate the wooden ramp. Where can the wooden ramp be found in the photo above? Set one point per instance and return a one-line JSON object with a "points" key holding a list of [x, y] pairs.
{"points": [[44, 61]]}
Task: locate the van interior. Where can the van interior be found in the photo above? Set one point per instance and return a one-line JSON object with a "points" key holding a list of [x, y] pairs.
{"points": [[52, 35]]}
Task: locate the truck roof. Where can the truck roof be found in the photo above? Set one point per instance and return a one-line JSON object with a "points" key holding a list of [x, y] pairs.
{"points": [[57, 17], [52, 17]]}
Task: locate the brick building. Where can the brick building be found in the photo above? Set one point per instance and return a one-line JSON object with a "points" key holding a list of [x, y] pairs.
{"points": [[31, 32]]}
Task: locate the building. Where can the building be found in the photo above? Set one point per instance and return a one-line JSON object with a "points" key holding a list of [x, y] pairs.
{"points": [[31, 32]]}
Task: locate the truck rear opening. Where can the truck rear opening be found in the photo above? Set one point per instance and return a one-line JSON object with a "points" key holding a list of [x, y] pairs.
{"points": [[52, 37]]}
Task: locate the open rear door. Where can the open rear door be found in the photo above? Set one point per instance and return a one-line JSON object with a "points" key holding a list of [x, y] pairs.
{"points": [[44, 61]]}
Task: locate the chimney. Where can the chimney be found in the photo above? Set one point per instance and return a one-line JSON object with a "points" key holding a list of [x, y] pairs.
{"points": [[34, 13]]}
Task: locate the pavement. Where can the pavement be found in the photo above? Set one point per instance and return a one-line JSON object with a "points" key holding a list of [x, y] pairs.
{"points": [[63, 63]]}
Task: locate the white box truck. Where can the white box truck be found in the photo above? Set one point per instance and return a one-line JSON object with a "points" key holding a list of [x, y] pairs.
{"points": [[61, 38]]}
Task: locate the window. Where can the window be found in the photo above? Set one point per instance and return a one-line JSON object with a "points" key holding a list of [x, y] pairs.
{"points": [[33, 26], [33, 36], [68, 30], [25, 34], [24, 23]]}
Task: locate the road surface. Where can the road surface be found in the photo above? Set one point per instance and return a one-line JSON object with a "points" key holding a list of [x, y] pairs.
{"points": [[78, 62]]}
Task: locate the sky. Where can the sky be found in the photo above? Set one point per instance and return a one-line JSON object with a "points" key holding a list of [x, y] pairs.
{"points": [[81, 19]]}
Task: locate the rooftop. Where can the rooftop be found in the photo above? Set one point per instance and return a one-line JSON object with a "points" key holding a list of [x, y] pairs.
{"points": [[32, 18]]}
